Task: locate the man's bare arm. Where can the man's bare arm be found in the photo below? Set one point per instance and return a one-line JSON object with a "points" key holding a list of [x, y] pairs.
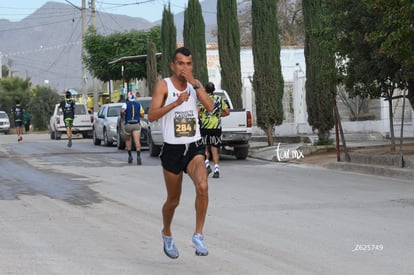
{"points": [[157, 108]]}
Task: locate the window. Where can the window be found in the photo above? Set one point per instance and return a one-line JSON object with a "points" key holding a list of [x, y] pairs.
{"points": [[114, 111], [80, 109]]}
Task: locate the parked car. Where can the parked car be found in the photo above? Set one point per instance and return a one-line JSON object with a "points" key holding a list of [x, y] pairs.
{"points": [[82, 124], [105, 124], [4, 123], [145, 102]]}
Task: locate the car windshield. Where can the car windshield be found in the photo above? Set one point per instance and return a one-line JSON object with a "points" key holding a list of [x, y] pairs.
{"points": [[3, 115], [80, 109], [145, 103], [114, 111]]}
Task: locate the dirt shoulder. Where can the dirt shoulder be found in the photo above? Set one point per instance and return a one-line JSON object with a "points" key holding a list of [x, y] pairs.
{"points": [[326, 156]]}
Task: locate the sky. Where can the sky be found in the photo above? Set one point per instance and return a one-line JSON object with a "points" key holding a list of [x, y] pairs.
{"points": [[151, 10]]}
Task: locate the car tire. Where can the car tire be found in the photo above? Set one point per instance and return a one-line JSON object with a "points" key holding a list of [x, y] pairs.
{"points": [[57, 136], [153, 149], [106, 140], [96, 141], [52, 134], [241, 152], [120, 141]]}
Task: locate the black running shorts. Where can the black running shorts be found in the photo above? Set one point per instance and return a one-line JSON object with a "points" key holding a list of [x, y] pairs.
{"points": [[175, 157], [211, 136]]}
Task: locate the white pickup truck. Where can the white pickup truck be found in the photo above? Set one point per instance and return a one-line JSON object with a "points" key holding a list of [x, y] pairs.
{"points": [[82, 124], [236, 131]]}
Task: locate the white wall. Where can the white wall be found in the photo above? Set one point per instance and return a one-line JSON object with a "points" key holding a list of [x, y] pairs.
{"points": [[294, 72]]}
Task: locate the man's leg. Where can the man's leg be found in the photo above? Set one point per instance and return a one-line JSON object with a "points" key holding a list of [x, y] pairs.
{"points": [[216, 159], [128, 146], [207, 160], [19, 133], [69, 134], [199, 178], [137, 134], [173, 183]]}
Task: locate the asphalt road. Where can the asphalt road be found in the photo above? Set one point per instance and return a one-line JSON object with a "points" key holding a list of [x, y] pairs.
{"points": [[84, 210]]}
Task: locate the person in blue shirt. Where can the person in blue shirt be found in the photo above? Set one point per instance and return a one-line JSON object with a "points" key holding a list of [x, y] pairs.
{"points": [[132, 112]]}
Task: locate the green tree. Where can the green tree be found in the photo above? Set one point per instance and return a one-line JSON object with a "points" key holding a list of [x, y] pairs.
{"points": [[103, 49], [41, 106], [396, 35], [267, 80], [168, 40], [152, 74], [229, 49], [195, 39], [370, 63], [4, 71], [13, 89], [320, 71]]}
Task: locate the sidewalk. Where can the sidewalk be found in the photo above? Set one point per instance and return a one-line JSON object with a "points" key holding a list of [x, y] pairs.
{"points": [[368, 155]]}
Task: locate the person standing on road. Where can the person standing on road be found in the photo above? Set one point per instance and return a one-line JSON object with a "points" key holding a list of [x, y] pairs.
{"points": [[174, 102], [18, 119], [26, 121], [211, 128], [132, 112], [68, 109]]}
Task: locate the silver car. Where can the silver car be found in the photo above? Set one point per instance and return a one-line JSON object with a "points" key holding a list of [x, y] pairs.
{"points": [[4, 123], [105, 124]]}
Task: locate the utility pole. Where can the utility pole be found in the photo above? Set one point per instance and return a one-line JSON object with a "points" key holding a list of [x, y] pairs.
{"points": [[95, 81], [93, 13], [84, 77]]}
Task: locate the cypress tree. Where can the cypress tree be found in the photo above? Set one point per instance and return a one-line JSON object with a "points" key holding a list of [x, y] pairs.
{"points": [[320, 71], [228, 36], [168, 40], [267, 79], [195, 39], [152, 73]]}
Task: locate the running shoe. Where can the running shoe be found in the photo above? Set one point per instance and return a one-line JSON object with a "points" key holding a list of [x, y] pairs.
{"points": [[169, 247], [129, 159], [216, 174], [70, 143], [139, 162], [208, 169], [198, 241]]}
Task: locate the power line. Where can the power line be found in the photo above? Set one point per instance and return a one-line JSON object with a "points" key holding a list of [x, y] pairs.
{"points": [[42, 49]]}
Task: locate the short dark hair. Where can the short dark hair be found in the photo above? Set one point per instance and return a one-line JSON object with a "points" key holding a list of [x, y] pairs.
{"points": [[68, 94], [210, 88], [181, 50]]}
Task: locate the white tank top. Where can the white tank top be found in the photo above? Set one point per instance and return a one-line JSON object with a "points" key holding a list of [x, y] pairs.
{"points": [[180, 125]]}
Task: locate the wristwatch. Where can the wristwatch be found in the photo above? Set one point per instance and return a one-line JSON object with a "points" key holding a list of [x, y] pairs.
{"points": [[196, 86]]}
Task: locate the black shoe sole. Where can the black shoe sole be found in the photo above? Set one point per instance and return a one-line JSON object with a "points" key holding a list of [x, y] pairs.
{"points": [[165, 251], [201, 254]]}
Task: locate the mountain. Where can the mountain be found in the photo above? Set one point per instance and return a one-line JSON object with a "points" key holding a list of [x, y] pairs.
{"points": [[46, 45]]}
